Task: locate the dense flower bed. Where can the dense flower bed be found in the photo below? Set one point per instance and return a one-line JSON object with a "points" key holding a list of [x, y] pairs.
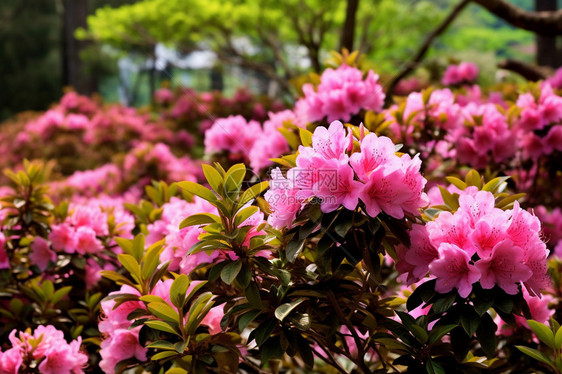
{"points": [[338, 233]]}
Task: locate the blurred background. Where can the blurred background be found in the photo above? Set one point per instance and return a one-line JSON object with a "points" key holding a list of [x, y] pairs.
{"points": [[125, 49]]}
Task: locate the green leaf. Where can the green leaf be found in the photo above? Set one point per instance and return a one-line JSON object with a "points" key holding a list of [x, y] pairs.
{"points": [[438, 332], [271, 349], [198, 311], [306, 137], [151, 299], [253, 295], [253, 192], [197, 189], [539, 356], [449, 199], [473, 179], [444, 302], [247, 318], [505, 202], [244, 276], [176, 371], [150, 261], [178, 289], [234, 178], [125, 244], [558, 338], [433, 367], [162, 326], [199, 219], [293, 249], [163, 355], [214, 178], [284, 310], [456, 182], [60, 293], [244, 214], [419, 332], [163, 311], [492, 185], [230, 271], [486, 335], [131, 265], [138, 246], [264, 331], [470, 320], [542, 332], [162, 344]]}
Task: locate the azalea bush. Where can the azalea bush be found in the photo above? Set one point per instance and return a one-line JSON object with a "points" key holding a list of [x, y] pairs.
{"points": [[339, 234]]}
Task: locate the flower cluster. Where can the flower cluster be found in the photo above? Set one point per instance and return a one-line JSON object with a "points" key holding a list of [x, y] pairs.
{"points": [[465, 72], [44, 349], [478, 243], [122, 339], [386, 182], [341, 93], [536, 137], [247, 140], [179, 241]]}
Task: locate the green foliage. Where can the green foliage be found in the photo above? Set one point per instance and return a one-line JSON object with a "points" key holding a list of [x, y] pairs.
{"points": [[550, 341]]}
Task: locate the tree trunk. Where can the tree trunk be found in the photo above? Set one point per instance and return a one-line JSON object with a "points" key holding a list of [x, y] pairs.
{"points": [[74, 16], [217, 78], [547, 51], [348, 31]]}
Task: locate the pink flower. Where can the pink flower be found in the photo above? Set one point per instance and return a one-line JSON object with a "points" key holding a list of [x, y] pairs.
{"points": [[122, 344], [92, 217], [10, 361], [422, 252], [385, 192], [476, 203], [63, 238], [376, 152], [213, 319], [337, 187], [4, 260], [489, 231], [465, 72], [453, 270], [452, 229], [233, 134], [330, 143], [505, 267], [553, 140], [341, 93], [41, 253], [282, 199], [64, 359], [86, 241]]}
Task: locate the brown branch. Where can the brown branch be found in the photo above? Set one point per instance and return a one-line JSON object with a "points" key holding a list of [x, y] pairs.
{"points": [[418, 57], [541, 22], [348, 31], [527, 71]]}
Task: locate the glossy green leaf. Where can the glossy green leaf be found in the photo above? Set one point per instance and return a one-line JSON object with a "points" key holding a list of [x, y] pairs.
{"points": [[284, 310], [161, 326], [230, 271], [537, 355], [542, 332], [199, 219], [163, 311], [198, 190], [214, 178]]}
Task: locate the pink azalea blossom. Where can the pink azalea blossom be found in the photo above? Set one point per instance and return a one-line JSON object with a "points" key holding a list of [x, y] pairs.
{"points": [[41, 253], [453, 270], [505, 267]]}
